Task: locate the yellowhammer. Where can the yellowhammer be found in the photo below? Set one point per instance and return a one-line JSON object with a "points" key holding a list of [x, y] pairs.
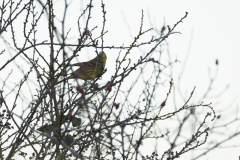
{"points": [[91, 69]]}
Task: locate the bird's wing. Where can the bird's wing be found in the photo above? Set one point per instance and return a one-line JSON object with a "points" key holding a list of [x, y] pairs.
{"points": [[79, 73], [89, 64]]}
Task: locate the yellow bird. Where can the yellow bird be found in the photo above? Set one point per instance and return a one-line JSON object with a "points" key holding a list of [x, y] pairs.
{"points": [[91, 69]]}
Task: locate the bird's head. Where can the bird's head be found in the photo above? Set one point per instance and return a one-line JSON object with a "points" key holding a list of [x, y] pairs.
{"points": [[103, 57]]}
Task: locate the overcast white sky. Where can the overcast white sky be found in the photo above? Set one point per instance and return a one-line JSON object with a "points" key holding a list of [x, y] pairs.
{"points": [[213, 27]]}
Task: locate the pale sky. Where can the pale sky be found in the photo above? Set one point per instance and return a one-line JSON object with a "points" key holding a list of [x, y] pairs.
{"points": [[212, 26]]}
